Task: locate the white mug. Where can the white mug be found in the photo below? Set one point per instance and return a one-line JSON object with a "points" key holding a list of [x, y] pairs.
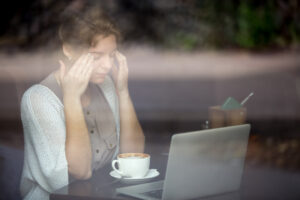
{"points": [[133, 165]]}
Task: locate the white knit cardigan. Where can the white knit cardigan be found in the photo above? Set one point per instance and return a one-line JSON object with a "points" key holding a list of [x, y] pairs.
{"points": [[45, 166]]}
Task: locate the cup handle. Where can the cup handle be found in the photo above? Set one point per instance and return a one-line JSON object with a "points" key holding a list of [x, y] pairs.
{"points": [[114, 167]]}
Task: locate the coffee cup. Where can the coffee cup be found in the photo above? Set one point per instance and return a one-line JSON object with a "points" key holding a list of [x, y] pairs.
{"points": [[133, 165]]}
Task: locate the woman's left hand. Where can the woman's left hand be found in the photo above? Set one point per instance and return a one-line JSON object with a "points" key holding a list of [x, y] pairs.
{"points": [[120, 74]]}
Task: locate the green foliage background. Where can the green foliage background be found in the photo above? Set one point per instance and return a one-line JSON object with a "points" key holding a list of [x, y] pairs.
{"points": [[249, 24]]}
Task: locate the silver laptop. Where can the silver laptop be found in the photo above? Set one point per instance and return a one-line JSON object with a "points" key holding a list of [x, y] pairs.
{"points": [[201, 163]]}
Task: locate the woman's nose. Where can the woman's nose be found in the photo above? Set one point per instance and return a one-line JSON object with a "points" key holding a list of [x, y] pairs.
{"points": [[106, 62], [103, 63]]}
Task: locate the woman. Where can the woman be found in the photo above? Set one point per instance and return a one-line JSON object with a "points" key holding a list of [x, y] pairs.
{"points": [[81, 116]]}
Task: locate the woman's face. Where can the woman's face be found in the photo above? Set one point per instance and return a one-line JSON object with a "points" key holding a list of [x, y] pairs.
{"points": [[103, 51]]}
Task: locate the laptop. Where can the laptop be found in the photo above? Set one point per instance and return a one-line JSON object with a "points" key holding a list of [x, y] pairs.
{"points": [[200, 163]]}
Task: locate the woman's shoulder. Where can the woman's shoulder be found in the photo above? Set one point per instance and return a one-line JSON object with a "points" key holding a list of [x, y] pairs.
{"points": [[37, 93]]}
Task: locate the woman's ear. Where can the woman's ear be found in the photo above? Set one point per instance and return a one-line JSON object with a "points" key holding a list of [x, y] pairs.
{"points": [[67, 50]]}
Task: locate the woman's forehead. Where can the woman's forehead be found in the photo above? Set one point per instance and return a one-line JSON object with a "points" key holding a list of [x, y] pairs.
{"points": [[104, 44]]}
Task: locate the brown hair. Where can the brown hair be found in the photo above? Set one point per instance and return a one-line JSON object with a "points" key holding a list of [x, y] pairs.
{"points": [[79, 28]]}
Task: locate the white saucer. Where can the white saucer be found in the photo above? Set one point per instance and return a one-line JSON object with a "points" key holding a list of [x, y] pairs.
{"points": [[151, 174]]}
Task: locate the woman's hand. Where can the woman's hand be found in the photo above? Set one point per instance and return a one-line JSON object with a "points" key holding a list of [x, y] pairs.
{"points": [[74, 81], [120, 74]]}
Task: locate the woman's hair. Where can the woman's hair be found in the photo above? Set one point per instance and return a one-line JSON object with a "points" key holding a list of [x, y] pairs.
{"points": [[79, 28]]}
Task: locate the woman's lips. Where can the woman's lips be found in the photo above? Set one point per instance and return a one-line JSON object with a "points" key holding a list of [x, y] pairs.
{"points": [[101, 74]]}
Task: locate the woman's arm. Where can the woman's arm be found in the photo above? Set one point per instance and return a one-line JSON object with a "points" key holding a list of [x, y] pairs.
{"points": [[78, 147], [132, 138], [44, 136]]}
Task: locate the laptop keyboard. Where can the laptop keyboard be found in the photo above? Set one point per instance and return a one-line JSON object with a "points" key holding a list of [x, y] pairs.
{"points": [[154, 193]]}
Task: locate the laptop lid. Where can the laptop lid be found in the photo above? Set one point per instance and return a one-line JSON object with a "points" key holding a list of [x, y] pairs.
{"points": [[200, 163], [207, 162]]}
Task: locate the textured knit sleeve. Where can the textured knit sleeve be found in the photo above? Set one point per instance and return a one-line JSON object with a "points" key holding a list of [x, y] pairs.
{"points": [[45, 135]]}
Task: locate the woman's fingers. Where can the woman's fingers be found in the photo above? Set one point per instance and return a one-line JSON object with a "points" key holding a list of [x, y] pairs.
{"points": [[87, 70], [123, 68], [121, 59], [85, 65], [76, 79], [121, 74], [115, 72], [78, 64], [62, 70], [81, 66]]}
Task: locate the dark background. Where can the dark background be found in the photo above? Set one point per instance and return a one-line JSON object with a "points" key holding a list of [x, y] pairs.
{"points": [[186, 24]]}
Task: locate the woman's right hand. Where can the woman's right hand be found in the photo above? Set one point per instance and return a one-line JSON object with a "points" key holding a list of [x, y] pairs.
{"points": [[75, 80]]}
